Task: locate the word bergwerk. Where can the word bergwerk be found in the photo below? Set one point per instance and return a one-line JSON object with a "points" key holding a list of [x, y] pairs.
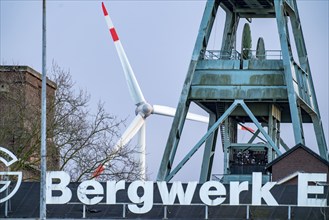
{"points": [[212, 193]]}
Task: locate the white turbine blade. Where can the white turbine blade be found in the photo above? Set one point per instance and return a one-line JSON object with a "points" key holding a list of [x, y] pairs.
{"points": [[130, 132], [142, 150], [245, 128], [169, 111], [164, 110], [134, 89], [196, 117]]}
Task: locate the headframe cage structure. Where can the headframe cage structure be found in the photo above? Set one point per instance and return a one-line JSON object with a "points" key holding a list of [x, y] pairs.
{"points": [[235, 89]]}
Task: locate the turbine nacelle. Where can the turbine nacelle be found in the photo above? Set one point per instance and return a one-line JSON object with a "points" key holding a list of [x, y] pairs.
{"points": [[144, 109]]}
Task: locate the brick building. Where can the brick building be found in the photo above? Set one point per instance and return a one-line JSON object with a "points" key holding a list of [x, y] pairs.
{"points": [[298, 159], [20, 119]]}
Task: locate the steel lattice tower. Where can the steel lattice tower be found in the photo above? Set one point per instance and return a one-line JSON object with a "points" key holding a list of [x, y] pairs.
{"points": [[236, 89]]}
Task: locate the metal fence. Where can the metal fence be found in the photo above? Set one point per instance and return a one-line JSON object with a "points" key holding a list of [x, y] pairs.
{"points": [[250, 211], [221, 55], [235, 55]]}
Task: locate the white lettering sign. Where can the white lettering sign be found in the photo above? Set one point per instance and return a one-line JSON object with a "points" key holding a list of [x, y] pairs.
{"points": [[259, 192], [168, 198], [205, 192], [58, 181], [211, 193], [304, 189], [235, 189], [112, 188], [146, 200], [90, 187]]}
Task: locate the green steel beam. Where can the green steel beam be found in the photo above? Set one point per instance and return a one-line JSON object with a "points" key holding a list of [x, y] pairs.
{"points": [[209, 152], [304, 63], [230, 28], [210, 131], [254, 136], [214, 128], [182, 108], [259, 126], [289, 71]]}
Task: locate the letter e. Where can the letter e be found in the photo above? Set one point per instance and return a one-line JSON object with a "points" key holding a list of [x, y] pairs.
{"points": [[205, 192], [304, 189]]}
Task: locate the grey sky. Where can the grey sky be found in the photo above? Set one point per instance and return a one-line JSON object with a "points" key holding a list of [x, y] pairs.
{"points": [[158, 37]]}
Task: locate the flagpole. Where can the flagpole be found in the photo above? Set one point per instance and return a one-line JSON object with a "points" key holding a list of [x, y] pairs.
{"points": [[43, 119]]}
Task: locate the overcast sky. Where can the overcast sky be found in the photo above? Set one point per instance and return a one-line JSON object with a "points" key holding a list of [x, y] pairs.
{"points": [[159, 38]]}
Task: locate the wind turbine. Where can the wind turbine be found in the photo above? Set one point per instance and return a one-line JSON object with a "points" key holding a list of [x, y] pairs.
{"points": [[143, 108]]}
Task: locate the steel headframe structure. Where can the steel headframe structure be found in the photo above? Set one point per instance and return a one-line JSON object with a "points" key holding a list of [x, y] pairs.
{"points": [[266, 91]]}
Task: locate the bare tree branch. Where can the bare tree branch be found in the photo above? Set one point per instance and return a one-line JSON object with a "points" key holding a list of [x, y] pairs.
{"points": [[80, 138]]}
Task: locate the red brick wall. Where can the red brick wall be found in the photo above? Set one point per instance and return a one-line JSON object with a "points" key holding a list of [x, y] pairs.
{"points": [[20, 111], [298, 160]]}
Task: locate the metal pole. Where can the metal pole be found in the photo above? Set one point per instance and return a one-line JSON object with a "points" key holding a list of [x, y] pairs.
{"points": [[7, 192], [43, 119], [247, 214], [84, 211], [165, 212], [124, 211], [206, 212]]}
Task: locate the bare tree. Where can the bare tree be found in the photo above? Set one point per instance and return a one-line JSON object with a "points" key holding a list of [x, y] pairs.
{"points": [[78, 138], [87, 140]]}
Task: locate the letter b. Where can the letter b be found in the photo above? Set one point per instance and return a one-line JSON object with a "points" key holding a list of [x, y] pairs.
{"points": [[61, 186]]}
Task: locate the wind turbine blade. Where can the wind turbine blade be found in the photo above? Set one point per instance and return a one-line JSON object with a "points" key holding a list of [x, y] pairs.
{"points": [[245, 128], [196, 117], [169, 111], [130, 132], [134, 89], [99, 170], [164, 110], [142, 150]]}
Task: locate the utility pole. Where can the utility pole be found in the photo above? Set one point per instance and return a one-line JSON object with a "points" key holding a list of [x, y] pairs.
{"points": [[43, 119]]}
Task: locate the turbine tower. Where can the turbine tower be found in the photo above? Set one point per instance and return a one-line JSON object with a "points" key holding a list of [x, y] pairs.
{"points": [[238, 87]]}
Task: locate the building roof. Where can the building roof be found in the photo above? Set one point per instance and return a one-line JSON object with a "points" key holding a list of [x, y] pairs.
{"points": [[292, 150], [27, 69]]}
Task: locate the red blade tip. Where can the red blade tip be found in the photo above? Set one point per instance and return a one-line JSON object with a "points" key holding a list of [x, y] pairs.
{"points": [[104, 9], [98, 171]]}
